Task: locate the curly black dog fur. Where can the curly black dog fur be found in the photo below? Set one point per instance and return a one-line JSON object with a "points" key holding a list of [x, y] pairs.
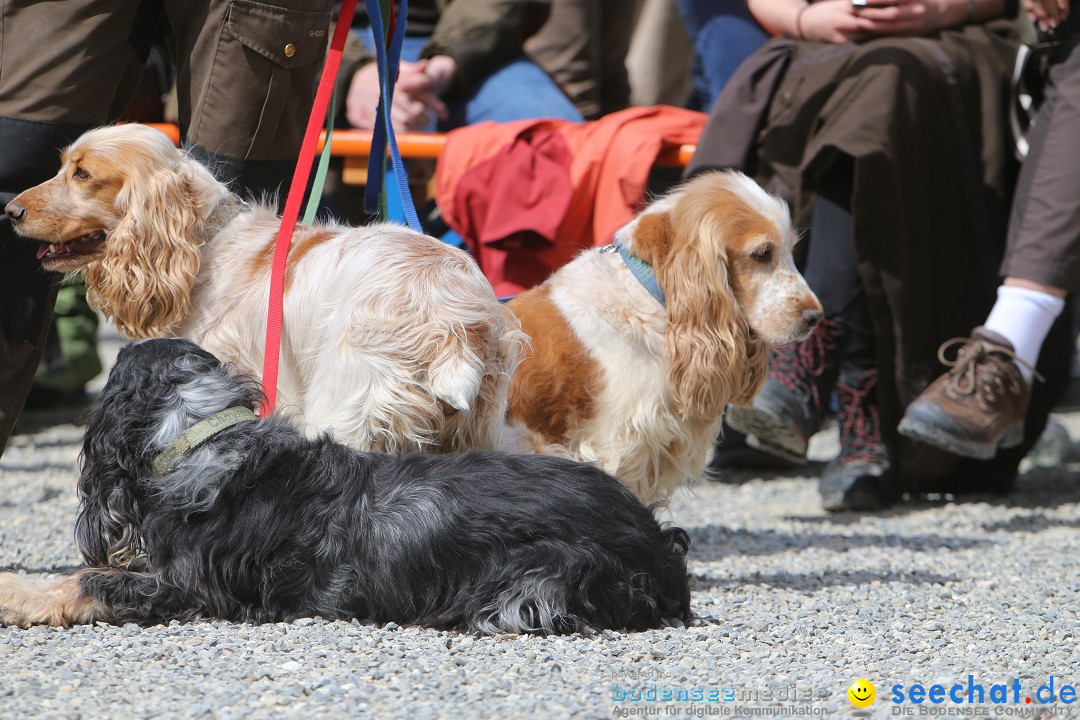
{"points": [[261, 523]]}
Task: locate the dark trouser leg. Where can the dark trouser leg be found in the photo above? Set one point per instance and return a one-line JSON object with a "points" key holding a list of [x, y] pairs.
{"points": [[1044, 227], [860, 477], [27, 293], [831, 270], [795, 398], [245, 92], [47, 99], [253, 179]]}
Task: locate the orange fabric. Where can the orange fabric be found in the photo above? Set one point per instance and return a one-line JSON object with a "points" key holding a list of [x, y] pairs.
{"points": [[610, 160]]}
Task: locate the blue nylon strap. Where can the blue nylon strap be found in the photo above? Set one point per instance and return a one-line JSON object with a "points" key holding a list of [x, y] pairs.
{"points": [[388, 61], [641, 270]]}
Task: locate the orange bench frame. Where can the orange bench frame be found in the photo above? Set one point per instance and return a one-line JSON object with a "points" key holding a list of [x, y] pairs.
{"points": [[357, 144]]}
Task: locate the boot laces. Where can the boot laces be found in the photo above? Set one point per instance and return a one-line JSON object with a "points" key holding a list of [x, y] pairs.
{"points": [[860, 424], [799, 365], [963, 370]]}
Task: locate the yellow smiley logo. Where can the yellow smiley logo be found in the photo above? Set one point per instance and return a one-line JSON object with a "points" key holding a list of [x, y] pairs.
{"points": [[862, 693]]}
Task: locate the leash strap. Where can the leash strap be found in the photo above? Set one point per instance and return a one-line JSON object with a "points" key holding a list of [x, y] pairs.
{"points": [[388, 62], [319, 182], [292, 204], [199, 433]]}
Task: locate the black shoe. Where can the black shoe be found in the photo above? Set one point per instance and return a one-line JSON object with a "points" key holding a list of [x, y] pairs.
{"points": [[793, 401], [732, 452], [860, 477]]}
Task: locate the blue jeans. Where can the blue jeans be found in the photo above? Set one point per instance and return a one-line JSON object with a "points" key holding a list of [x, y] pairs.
{"points": [[518, 90], [724, 34]]}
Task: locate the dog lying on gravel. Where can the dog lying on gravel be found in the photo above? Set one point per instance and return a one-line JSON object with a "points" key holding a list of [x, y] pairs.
{"points": [[192, 506]]}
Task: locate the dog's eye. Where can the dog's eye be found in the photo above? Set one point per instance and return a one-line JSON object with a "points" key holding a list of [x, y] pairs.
{"points": [[80, 173], [762, 255]]}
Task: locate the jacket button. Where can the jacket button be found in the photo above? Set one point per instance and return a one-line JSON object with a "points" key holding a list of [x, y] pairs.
{"points": [[290, 50]]}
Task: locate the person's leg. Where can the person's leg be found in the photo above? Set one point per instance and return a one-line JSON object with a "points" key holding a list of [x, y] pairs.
{"points": [[47, 99], [71, 358], [410, 46], [27, 294], [1044, 227], [790, 407], [860, 477], [245, 87], [694, 13], [831, 270], [839, 355], [519, 90], [582, 46], [724, 40], [980, 404], [1042, 257], [1023, 314]]}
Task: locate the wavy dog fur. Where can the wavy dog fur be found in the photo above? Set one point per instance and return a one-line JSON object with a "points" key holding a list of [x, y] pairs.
{"points": [[392, 339], [260, 523], [614, 377]]}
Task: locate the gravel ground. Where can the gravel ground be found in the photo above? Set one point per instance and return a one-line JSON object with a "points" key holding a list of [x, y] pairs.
{"points": [[791, 605]]}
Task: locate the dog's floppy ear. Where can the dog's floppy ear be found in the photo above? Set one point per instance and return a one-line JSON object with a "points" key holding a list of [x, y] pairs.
{"points": [[711, 358], [144, 281], [107, 526]]}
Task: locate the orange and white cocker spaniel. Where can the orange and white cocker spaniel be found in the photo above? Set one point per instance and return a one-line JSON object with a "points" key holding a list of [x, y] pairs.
{"points": [[393, 340], [637, 348]]}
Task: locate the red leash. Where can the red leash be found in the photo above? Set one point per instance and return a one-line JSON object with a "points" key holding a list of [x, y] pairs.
{"points": [[292, 203]]}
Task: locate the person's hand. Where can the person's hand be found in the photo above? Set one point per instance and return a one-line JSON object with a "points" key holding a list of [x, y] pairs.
{"points": [[443, 70], [363, 97], [905, 17], [831, 21], [416, 98], [1047, 14]]}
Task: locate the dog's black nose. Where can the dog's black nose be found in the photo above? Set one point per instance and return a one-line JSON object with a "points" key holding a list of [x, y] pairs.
{"points": [[812, 318], [15, 211]]}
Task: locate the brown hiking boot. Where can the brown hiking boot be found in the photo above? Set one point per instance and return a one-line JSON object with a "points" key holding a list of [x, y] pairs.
{"points": [[976, 407]]}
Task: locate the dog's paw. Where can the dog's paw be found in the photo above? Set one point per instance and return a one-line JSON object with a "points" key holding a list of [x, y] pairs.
{"points": [[26, 601], [12, 589]]}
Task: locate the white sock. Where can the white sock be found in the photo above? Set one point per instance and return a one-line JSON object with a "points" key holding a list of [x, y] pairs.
{"points": [[1024, 318]]}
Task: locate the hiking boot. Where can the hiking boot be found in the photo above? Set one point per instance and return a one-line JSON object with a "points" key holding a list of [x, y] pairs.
{"points": [[732, 451], [795, 397], [860, 476], [976, 407]]}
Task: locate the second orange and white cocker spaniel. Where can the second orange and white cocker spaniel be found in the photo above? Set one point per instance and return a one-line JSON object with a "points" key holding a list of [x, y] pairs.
{"points": [[390, 338], [637, 348]]}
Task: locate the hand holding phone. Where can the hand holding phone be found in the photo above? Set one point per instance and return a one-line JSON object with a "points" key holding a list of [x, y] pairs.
{"points": [[904, 17], [860, 4]]}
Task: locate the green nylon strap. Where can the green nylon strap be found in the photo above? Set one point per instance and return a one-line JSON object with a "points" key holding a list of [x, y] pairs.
{"points": [[324, 163], [199, 433]]}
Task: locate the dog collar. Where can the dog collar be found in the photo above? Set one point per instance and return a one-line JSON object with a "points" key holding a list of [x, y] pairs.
{"points": [[221, 215], [640, 269], [199, 433]]}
